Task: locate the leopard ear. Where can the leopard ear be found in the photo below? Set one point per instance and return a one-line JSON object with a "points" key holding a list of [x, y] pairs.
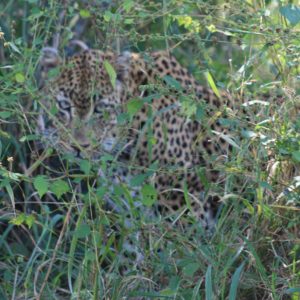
{"points": [[49, 60], [123, 65]]}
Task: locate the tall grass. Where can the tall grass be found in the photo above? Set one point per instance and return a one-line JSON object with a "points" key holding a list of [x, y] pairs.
{"points": [[58, 239]]}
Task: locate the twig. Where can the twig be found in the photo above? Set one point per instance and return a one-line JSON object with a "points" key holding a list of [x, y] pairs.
{"points": [[59, 241]]}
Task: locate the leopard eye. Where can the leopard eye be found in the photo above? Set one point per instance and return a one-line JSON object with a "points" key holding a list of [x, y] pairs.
{"points": [[65, 105], [97, 97], [98, 110]]}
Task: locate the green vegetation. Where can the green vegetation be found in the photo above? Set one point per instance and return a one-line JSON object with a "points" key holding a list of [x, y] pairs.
{"points": [[58, 239]]}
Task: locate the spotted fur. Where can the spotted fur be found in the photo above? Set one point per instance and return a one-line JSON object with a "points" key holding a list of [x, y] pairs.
{"points": [[91, 103]]}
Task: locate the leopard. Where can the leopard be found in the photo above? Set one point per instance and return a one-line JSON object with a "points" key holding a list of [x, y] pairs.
{"points": [[152, 114]]}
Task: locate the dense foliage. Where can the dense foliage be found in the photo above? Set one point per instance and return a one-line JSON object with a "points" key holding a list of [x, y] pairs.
{"points": [[58, 240]]}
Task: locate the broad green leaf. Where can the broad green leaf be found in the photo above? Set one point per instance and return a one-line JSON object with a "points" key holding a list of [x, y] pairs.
{"points": [[184, 20], [107, 15], [189, 107], [138, 180], [23, 219], [128, 21], [4, 134], [123, 118], [149, 195], [20, 78], [266, 185], [212, 84], [133, 106], [173, 83], [111, 72], [84, 13], [41, 184], [296, 156], [128, 4], [188, 23], [85, 166], [5, 114], [18, 220], [190, 269], [59, 187], [82, 231], [29, 220], [200, 113], [235, 282], [212, 28]]}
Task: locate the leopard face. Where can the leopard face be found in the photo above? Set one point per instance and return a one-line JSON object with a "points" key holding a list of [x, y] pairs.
{"points": [[86, 104]]}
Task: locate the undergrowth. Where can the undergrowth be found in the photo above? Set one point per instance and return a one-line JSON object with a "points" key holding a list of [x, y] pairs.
{"points": [[60, 240]]}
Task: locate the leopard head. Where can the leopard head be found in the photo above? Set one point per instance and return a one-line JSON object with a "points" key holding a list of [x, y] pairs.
{"points": [[83, 102]]}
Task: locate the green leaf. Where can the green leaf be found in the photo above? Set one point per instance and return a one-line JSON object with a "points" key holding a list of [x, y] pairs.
{"points": [[212, 84], [41, 184], [173, 83], [138, 180], [296, 156], [59, 187], [23, 218], [29, 220], [84, 13], [128, 21], [211, 28], [82, 231], [133, 106], [85, 166], [5, 114], [188, 23], [200, 113], [20, 78], [128, 4], [108, 15], [123, 118], [149, 195], [266, 185], [235, 282], [208, 285], [18, 220], [190, 269], [111, 72], [291, 12], [14, 47], [184, 20], [188, 107]]}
